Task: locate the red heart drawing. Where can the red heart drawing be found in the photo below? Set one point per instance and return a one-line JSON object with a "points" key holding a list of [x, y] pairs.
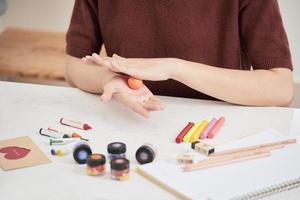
{"points": [[14, 153]]}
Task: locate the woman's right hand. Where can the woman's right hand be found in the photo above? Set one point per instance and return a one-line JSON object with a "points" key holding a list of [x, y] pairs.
{"points": [[142, 101]]}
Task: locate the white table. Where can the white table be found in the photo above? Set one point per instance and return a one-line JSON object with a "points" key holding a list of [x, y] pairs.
{"points": [[24, 108]]}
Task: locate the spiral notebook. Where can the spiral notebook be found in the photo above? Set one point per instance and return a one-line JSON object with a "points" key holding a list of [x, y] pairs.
{"points": [[240, 181]]}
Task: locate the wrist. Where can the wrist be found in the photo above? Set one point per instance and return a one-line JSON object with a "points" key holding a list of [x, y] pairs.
{"points": [[111, 76], [177, 70]]}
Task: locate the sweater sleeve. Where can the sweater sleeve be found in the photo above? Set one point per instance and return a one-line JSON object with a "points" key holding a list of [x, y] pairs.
{"points": [[84, 36], [262, 34]]}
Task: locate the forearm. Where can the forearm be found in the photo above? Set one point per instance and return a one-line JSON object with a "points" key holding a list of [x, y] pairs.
{"points": [[90, 78], [257, 88]]}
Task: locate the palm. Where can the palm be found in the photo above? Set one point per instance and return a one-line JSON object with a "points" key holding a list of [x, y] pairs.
{"points": [[124, 91], [141, 100]]}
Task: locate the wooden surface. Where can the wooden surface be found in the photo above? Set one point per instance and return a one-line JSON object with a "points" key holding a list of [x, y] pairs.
{"points": [[32, 54]]}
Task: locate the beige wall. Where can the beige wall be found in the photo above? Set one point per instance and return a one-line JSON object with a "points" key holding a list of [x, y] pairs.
{"points": [[291, 16], [51, 15]]}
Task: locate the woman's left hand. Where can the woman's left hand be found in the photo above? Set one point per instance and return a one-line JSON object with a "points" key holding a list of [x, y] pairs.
{"points": [[154, 69]]}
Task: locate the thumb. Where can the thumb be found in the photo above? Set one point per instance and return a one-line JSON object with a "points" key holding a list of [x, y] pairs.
{"points": [[107, 94]]}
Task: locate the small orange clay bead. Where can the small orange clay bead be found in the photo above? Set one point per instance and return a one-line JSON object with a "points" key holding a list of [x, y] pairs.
{"points": [[135, 83], [76, 135]]}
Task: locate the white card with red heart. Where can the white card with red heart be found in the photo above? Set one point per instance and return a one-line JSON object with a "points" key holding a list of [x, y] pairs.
{"points": [[20, 152]]}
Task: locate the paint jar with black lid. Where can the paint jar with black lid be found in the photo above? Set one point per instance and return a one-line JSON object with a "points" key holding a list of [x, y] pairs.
{"points": [[116, 150], [81, 151], [95, 164], [120, 169], [145, 154]]}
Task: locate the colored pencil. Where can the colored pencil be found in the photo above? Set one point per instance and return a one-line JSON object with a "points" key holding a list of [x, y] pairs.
{"points": [[231, 160], [239, 154], [234, 155], [270, 145]]}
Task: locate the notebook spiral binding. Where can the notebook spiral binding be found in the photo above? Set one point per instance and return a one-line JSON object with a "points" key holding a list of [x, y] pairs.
{"points": [[288, 185]]}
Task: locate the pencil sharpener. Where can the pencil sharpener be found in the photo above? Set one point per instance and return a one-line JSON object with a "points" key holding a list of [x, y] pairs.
{"points": [[185, 158], [203, 148]]}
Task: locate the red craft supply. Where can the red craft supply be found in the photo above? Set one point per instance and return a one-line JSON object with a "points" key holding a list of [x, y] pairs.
{"points": [[184, 131], [14, 153], [75, 124], [216, 128]]}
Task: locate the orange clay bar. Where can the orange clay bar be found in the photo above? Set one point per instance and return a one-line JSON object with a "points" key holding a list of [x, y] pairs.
{"points": [[135, 83]]}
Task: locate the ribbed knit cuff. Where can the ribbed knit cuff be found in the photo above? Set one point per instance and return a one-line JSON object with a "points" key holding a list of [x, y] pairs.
{"points": [[272, 63], [80, 52]]}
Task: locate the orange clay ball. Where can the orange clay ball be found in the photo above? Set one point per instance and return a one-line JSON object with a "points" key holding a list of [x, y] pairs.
{"points": [[135, 83]]}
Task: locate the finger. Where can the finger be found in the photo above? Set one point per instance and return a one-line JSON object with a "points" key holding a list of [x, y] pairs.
{"points": [[124, 68], [140, 109], [114, 66], [118, 66], [107, 94], [151, 106], [88, 60], [128, 60], [105, 62], [157, 105], [84, 60], [136, 107], [123, 65], [96, 58], [156, 100], [100, 61], [118, 57]]}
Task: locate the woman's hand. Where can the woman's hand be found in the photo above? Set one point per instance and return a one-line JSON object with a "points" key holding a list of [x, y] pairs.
{"points": [[154, 69], [141, 101]]}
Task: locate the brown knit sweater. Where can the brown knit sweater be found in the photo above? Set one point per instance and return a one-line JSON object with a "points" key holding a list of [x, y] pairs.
{"points": [[235, 34]]}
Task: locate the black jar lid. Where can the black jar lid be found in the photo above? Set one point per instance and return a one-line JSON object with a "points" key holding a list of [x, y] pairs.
{"points": [[94, 160], [116, 148], [145, 154], [81, 153], [119, 164]]}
